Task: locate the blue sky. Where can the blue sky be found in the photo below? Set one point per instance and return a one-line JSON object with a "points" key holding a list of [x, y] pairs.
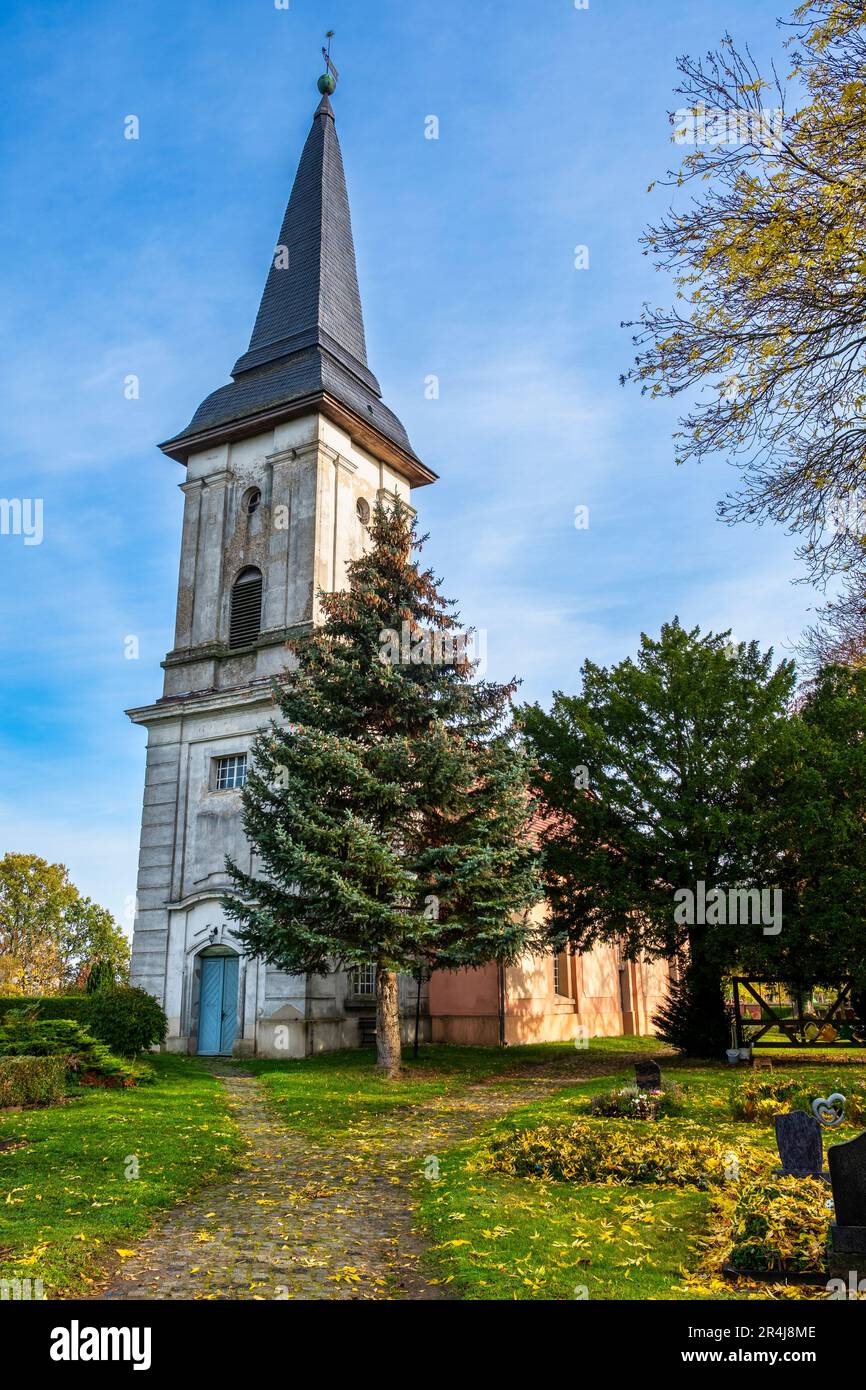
{"points": [[148, 257]]}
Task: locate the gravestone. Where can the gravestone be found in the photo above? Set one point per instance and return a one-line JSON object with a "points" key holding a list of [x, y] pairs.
{"points": [[801, 1148], [648, 1076], [848, 1232]]}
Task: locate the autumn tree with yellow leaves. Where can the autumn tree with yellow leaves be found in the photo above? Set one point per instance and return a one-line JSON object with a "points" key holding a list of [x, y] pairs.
{"points": [[767, 333]]}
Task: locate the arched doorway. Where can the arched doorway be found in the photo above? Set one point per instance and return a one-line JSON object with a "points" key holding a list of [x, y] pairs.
{"points": [[218, 1001]]}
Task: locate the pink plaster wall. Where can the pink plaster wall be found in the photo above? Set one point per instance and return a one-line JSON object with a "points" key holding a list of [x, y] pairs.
{"points": [[464, 1004]]}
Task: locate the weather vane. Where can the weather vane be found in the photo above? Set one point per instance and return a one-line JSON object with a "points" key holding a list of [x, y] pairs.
{"points": [[327, 83]]}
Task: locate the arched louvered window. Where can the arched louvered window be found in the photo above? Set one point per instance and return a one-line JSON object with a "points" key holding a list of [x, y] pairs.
{"points": [[246, 618]]}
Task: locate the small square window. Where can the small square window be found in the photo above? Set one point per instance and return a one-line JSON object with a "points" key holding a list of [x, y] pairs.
{"points": [[231, 772]]}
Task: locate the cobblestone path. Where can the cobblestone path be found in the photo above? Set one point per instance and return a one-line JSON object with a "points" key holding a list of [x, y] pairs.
{"points": [[302, 1220]]}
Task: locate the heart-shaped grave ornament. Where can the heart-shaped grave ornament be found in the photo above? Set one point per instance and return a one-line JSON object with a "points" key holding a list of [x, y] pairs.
{"points": [[829, 1110]]}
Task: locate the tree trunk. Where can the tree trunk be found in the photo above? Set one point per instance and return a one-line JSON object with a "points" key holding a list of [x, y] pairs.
{"points": [[387, 1023], [708, 1018]]}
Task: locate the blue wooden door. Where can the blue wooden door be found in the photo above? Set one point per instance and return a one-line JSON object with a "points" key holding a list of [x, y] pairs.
{"points": [[229, 1003], [218, 1004]]}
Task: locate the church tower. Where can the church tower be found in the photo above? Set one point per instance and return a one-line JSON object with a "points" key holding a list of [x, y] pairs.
{"points": [[283, 466]]}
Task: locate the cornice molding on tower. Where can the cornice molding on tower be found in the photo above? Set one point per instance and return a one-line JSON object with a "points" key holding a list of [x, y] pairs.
{"points": [[292, 453], [416, 473], [202, 702]]}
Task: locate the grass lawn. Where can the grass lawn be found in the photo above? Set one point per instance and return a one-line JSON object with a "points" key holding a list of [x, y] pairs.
{"points": [[497, 1237], [340, 1095], [68, 1200]]}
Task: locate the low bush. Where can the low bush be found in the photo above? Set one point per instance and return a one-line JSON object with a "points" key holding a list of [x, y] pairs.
{"points": [[630, 1103], [760, 1093], [128, 1020], [31, 1080], [770, 1225], [22, 1034], [584, 1152]]}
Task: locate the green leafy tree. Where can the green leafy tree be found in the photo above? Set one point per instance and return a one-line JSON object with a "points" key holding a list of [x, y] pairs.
{"points": [[641, 778], [809, 789], [48, 931], [35, 897], [767, 334], [92, 942], [389, 805]]}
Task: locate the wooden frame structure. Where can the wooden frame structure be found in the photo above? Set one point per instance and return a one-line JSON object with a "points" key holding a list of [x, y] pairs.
{"points": [[835, 1026]]}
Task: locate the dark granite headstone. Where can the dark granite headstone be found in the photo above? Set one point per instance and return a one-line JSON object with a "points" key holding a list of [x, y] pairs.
{"points": [[848, 1176], [801, 1147], [648, 1076]]}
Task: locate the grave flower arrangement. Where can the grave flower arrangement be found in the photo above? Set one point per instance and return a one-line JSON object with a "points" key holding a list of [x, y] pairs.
{"points": [[632, 1103]]}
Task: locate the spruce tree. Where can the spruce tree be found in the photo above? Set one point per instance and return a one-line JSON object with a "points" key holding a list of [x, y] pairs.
{"points": [[388, 803]]}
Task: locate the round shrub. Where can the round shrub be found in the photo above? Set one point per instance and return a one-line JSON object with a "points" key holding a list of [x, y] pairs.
{"points": [[129, 1020]]}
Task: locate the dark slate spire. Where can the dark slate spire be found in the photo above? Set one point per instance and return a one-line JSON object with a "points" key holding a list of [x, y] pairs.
{"points": [[315, 299], [307, 348]]}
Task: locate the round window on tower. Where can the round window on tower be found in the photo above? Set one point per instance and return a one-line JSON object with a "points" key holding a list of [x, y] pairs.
{"points": [[363, 510], [252, 499]]}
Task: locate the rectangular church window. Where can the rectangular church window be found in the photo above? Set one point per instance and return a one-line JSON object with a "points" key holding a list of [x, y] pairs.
{"points": [[362, 981], [231, 772]]}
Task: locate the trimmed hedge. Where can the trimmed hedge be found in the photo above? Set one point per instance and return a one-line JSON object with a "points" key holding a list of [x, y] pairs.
{"points": [[127, 1019], [50, 1006], [31, 1080]]}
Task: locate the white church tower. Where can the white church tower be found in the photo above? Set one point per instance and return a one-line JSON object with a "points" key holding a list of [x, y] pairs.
{"points": [[282, 468]]}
